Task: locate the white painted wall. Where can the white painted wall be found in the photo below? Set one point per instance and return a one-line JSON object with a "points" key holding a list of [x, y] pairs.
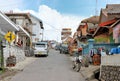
{"points": [[36, 29], [13, 50], [111, 60]]}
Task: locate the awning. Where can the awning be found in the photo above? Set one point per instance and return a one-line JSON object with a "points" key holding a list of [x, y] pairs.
{"points": [[23, 32], [104, 26], [115, 23], [6, 24], [107, 23]]}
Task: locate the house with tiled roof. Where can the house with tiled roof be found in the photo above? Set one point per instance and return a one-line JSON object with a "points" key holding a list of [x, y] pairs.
{"points": [[109, 32], [108, 17], [87, 28], [85, 31], [110, 12]]}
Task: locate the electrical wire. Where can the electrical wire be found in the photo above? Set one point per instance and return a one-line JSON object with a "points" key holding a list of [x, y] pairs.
{"points": [[52, 26]]}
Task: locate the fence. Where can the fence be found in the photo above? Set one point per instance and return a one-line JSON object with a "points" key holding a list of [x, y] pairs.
{"points": [[91, 45], [85, 50], [107, 46]]}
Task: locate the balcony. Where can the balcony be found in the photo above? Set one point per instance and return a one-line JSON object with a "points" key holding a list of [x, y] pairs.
{"points": [[28, 29], [66, 30], [63, 33]]}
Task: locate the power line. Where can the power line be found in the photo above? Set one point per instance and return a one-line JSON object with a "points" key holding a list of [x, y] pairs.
{"points": [[52, 26]]}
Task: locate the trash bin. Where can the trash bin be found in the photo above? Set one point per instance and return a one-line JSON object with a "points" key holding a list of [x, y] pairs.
{"points": [[11, 61], [96, 59]]}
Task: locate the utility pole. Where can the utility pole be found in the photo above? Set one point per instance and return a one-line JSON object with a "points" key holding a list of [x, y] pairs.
{"points": [[42, 34]]}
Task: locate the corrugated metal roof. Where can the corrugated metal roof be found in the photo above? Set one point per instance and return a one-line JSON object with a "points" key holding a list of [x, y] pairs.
{"points": [[93, 19], [6, 24], [109, 6], [112, 9]]}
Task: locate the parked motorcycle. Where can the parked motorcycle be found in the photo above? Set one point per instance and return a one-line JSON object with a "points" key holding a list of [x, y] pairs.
{"points": [[77, 62]]}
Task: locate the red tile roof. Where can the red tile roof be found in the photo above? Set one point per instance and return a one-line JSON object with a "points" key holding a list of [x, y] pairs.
{"points": [[107, 22]]}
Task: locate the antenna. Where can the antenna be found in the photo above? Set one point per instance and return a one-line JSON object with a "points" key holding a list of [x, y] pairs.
{"points": [[96, 11]]}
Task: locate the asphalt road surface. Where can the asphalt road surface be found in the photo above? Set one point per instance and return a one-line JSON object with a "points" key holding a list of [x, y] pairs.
{"points": [[55, 67]]}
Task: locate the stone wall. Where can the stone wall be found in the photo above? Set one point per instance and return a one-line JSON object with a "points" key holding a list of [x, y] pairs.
{"points": [[110, 73], [13, 50], [110, 68]]}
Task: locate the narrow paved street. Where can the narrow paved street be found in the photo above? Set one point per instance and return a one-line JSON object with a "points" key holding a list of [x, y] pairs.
{"points": [[55, 67]]}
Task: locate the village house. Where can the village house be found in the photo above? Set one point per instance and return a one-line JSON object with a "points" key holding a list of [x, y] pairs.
{"points": [[37, 30], [105, 37], [86, 30], [29, 31], [110, 28], [68, 40], [65, 33], [8, 26], [108, 24], [24, 36], [5, 26], [73, 44]]}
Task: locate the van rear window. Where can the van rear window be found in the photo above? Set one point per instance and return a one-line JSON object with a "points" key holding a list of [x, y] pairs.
{"points": [[40, 45]]}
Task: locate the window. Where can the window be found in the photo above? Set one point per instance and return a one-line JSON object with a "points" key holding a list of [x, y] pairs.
{"points": [[14, 20]]}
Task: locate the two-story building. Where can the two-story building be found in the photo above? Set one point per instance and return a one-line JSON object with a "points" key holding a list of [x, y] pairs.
{"points": [[37, 30], [5, 25], [23, 21], [66, 32], [24, 35], [31, 30]]}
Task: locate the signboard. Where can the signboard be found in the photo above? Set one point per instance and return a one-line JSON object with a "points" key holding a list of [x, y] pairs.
{"points": [[9, 37]]}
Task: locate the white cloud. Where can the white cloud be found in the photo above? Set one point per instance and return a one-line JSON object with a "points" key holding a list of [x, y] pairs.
{"points": [[58, 21], [6, 5], [53, 21]]}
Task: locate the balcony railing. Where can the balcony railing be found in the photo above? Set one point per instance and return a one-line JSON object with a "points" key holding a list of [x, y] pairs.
{"points": [[66, 30], [28, 29], [69, 33]]}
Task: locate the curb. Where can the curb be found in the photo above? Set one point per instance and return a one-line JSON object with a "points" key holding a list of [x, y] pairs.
{"points": [[88, 72]]}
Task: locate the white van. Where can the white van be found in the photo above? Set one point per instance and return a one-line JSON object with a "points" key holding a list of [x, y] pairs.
{"points": [[41, 48]]}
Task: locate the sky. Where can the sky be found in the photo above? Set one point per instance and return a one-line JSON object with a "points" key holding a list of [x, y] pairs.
{"points": [[57, 14]]}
